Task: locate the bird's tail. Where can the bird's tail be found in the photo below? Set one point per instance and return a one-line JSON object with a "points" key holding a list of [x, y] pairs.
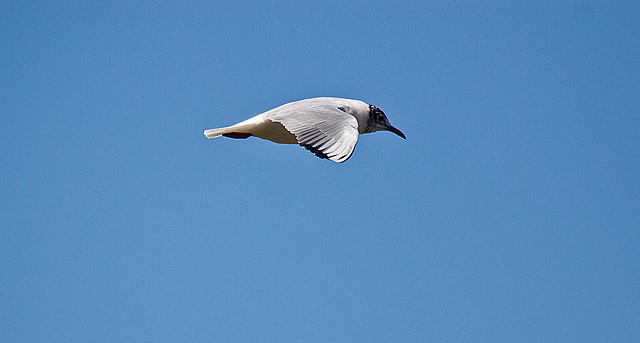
{"points": [[213, 133], [231, 132]]}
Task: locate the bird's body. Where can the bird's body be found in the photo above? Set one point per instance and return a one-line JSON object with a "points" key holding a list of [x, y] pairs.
{"points": [[328, 127]]}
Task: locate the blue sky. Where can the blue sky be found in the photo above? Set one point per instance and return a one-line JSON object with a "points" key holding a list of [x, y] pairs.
{"points": [[510, 213]]}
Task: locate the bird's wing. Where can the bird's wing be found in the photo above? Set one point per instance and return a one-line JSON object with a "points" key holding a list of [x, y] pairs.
{"points": [[322, 128]]}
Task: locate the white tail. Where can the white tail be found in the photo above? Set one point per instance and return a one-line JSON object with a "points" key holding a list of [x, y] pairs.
{"points": [[213, 133], [240, 130]]}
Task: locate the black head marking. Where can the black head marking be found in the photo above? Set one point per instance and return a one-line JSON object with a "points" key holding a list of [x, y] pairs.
{"points": [[374, 112]]}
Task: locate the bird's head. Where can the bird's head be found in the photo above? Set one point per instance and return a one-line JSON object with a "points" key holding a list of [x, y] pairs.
{"points": [[378, 122]]}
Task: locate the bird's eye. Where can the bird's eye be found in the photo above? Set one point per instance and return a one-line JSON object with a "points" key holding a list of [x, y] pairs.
{"points": [[381, 118]]}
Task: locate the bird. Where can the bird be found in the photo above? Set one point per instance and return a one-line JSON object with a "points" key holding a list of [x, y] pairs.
{"points": [[328, 127]]}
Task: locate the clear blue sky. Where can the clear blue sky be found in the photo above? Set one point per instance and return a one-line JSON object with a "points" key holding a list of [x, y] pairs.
{"points": [[511, 213]]}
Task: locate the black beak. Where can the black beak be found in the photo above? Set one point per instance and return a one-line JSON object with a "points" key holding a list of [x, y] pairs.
{"points": [[396, 131]]}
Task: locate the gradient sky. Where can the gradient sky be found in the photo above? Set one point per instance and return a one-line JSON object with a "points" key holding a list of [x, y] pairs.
{"points": [[511, 213]]}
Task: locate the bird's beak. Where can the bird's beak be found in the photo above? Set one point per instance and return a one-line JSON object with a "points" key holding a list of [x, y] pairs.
{"points": [[396, 131]]}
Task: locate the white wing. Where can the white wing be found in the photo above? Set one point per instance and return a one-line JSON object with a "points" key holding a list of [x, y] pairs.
{"points": [[320, 125]]}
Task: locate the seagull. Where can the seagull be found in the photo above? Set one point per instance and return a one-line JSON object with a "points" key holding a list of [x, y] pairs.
{"points": [[328, 127]]}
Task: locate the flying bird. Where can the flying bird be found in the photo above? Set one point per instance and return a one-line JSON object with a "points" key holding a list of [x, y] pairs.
{"points": [[328, 127]]}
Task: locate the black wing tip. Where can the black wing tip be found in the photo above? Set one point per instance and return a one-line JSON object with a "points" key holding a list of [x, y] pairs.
{"points": [[315, 150], [322, 154]]}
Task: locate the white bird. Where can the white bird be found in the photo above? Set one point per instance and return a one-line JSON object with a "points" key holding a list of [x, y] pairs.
{"points": [[328, 127]]}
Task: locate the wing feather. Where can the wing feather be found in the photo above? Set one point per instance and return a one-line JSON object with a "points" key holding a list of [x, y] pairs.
{"points": [[320, 127]]}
